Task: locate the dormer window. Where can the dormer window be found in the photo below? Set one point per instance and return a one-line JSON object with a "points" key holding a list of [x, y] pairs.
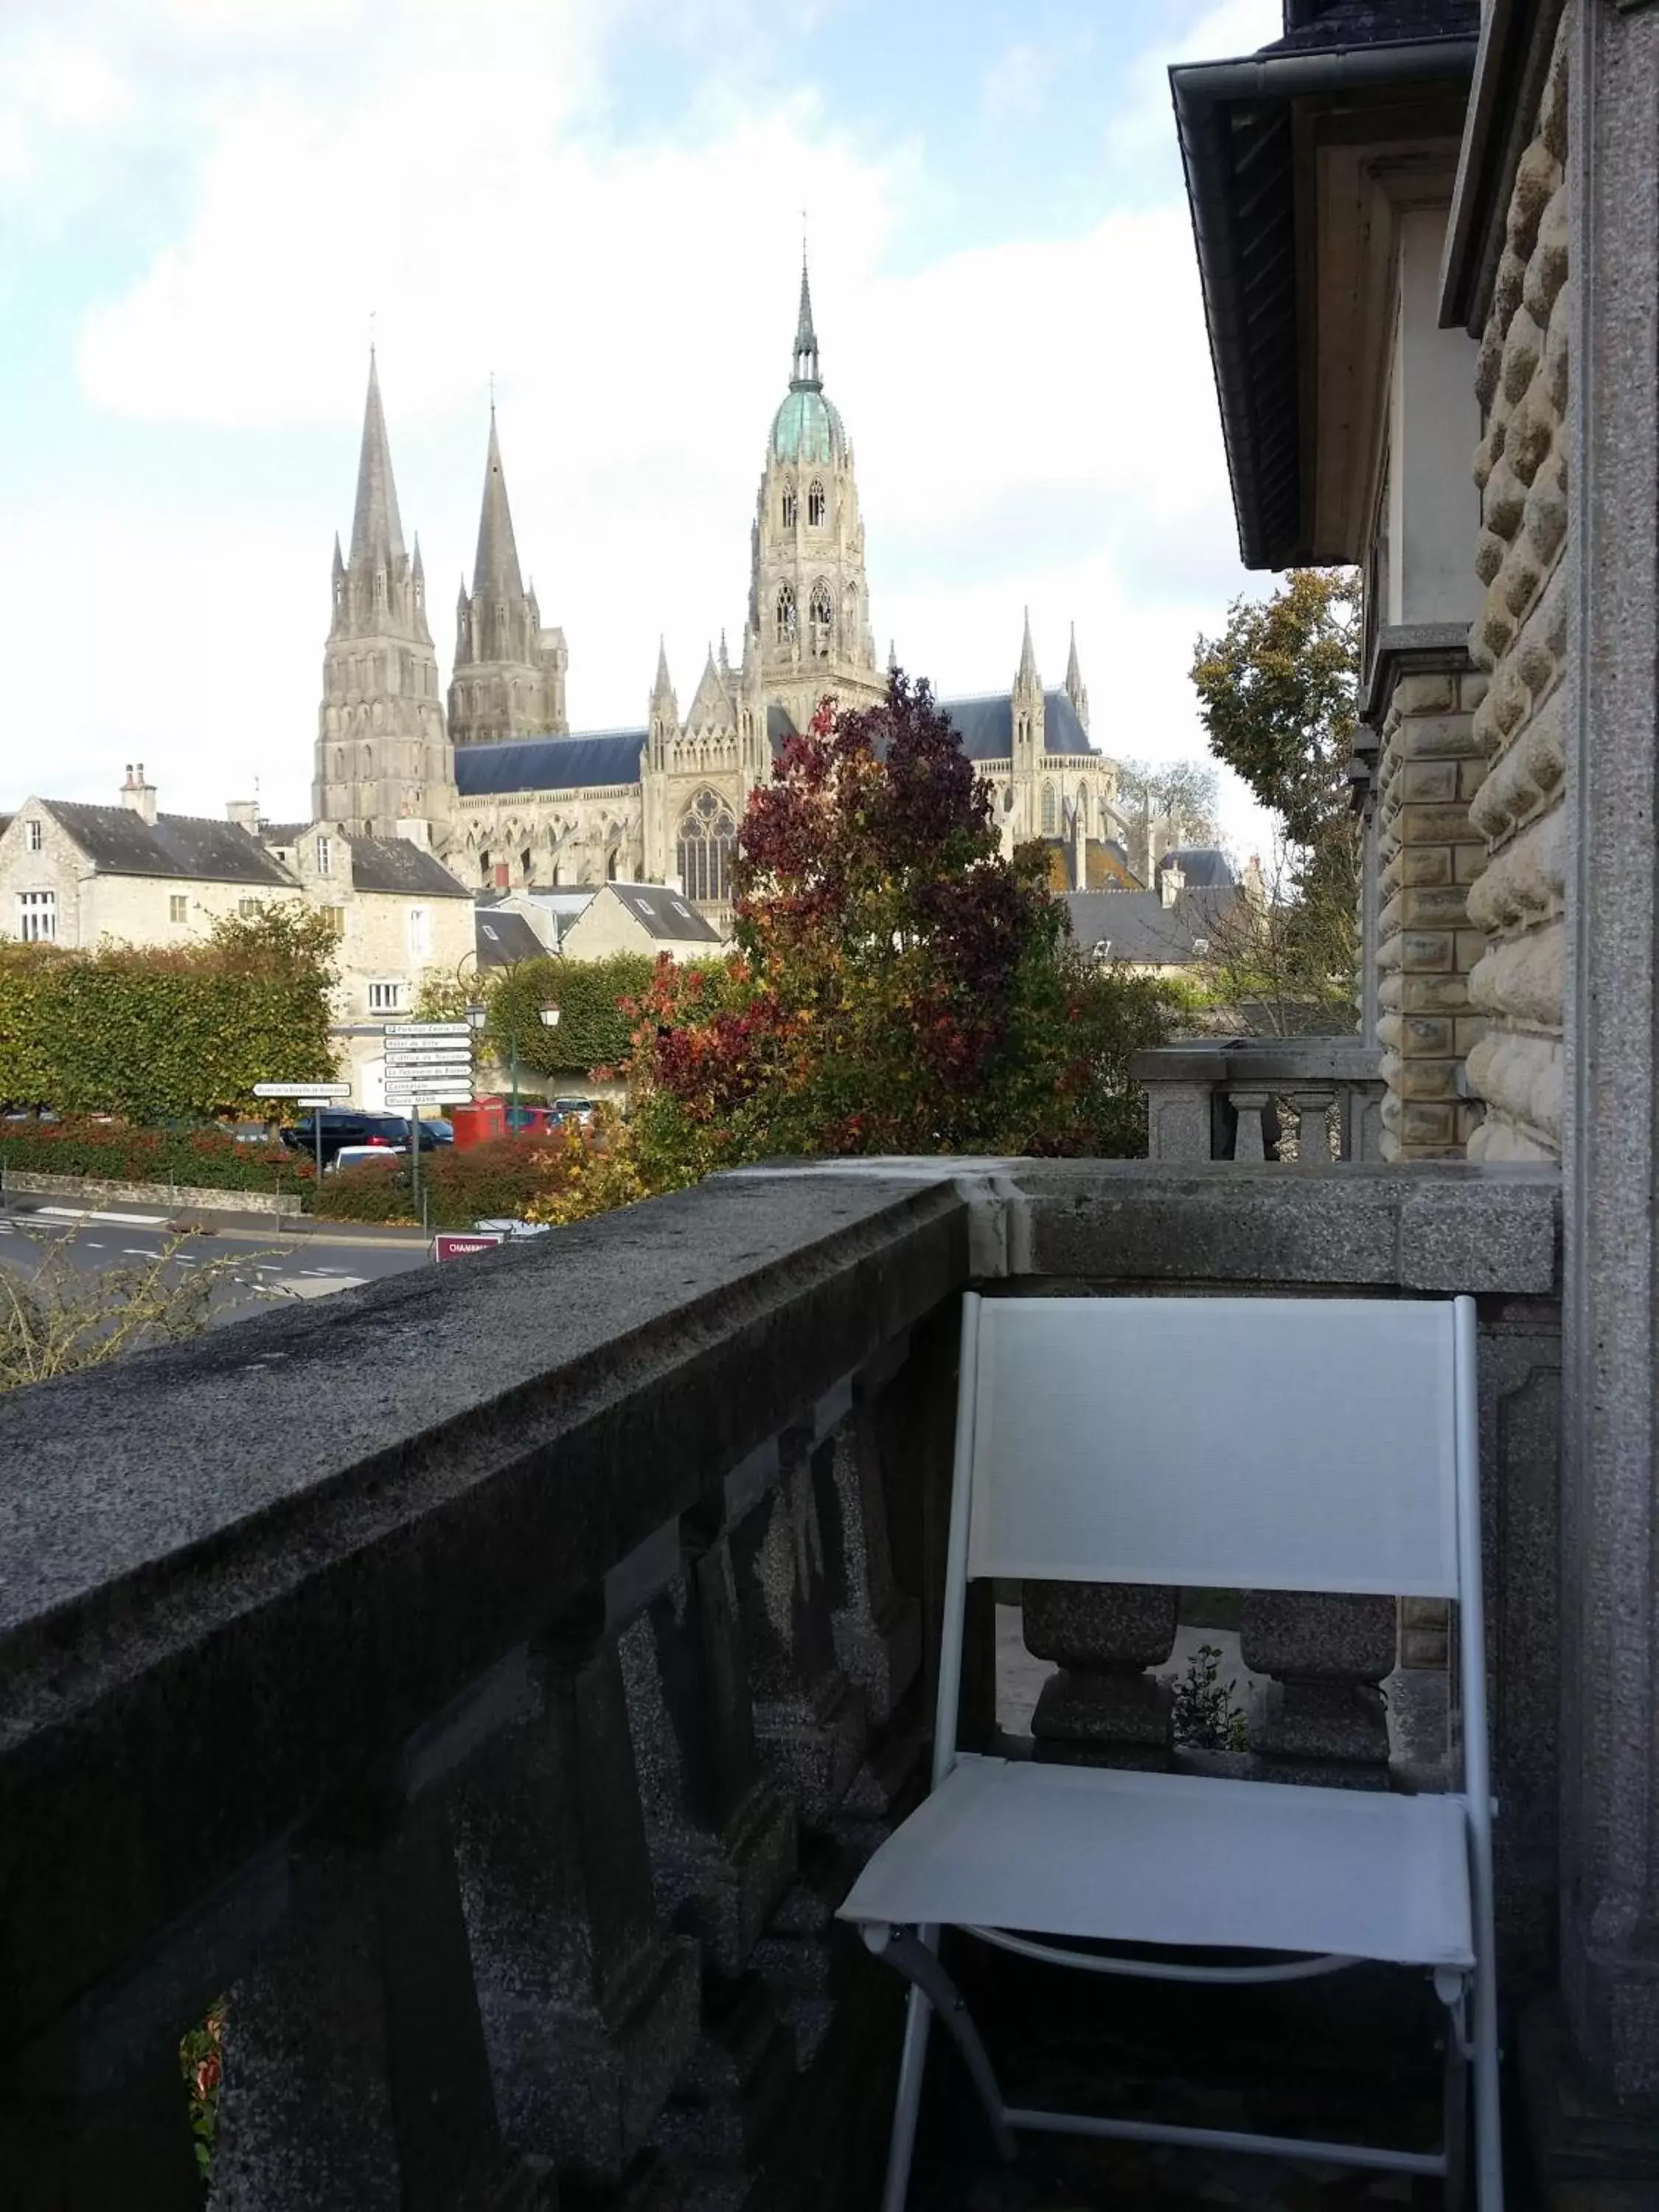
{"points": [[324, 856], [36, 838], [816, 507]]}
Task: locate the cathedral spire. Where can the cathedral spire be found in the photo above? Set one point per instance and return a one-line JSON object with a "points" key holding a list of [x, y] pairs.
{"points": [[1028, 678], [496, 575], [805, 375], [377, 532], [663, 687], [1076, 689]]}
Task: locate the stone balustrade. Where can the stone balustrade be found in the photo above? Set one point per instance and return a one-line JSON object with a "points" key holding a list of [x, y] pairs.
{"points": [[489, 1682], [1309, 1099]]}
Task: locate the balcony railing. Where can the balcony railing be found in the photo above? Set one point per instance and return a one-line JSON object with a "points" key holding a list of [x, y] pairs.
{"points": [[1307, 1099], [489, 1681]]}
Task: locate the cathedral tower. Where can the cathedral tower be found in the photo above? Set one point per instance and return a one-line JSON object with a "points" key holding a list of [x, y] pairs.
{"points": [[509, 672], [383, 767], [808, 604]]}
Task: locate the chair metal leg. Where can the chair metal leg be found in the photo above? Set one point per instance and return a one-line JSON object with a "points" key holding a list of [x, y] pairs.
{"points": [[933, 1988], [1488, 2123], [1455, 2121], [907, 2104]]}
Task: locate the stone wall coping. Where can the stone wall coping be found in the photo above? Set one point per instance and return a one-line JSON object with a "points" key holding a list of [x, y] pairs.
{"points": [[239, 1572], [1402, 647], [1259, 1060], [199, 1198]]}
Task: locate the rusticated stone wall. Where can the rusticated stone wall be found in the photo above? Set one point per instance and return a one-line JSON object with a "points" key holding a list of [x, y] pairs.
{"points": [[1429, 856], [1520, 637]]}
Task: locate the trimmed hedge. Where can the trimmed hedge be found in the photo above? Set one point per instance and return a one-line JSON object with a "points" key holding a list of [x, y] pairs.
{"points": [[154, 1034], [592, 1031], [461, 1187], [113, 1151]]}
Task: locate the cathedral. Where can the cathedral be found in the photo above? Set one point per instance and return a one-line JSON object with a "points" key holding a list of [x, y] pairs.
{"points": [[501, 789]]}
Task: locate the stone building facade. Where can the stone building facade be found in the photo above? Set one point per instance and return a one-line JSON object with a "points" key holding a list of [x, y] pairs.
{"points": [[1507, 764], [510, 798], [79, 876]]}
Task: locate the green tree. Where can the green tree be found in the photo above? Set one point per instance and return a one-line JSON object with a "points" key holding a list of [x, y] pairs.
{"points": [[1278, 692], [1185, 789]]}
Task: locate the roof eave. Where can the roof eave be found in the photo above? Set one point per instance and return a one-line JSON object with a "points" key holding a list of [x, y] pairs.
{"points": [[1201, 91]]}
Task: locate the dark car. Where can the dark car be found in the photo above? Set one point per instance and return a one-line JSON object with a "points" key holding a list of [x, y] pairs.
{"points": [[342, 1125]]}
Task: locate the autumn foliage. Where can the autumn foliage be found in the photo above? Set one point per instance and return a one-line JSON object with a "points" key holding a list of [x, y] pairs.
{"points": [[899, 985]]}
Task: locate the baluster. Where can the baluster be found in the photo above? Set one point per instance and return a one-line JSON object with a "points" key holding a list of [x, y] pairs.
{"points": [[722, 1844], [1251, 1144], [1102, 1708], [355, 2066], [589, 2011], [1313, 1134], [809, 1719], [1322, 1718]]}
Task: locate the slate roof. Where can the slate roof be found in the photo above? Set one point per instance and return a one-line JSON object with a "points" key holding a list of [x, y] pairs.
{"points": [[985, 726], [1138, 927], [577, 764], [393, 863], [282, 833], [501, 938], [664, 914], [120, 842], [1205, 866], [6, 821], [1320, 26]]}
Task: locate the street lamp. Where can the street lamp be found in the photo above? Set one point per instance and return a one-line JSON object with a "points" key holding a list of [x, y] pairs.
{"points": [[548, 1019]]}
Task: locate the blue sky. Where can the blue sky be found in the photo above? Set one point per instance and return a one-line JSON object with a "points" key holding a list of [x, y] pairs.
{"points": [[203, 203]]}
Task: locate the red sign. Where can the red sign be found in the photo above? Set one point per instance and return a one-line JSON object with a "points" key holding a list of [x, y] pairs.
{"points": [[455, 1244]]}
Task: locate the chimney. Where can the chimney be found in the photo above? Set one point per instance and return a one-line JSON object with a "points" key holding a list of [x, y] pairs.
{"points": [[1171, 882], [244, 813], [137, 794]]}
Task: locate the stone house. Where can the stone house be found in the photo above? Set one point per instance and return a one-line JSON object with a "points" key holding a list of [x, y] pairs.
{"points": [[76, 875], [1426, 234], [640, 918], [73, 875]]}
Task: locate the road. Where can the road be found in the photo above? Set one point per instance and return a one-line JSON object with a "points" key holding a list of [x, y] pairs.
{"points": [[252, 1267]]}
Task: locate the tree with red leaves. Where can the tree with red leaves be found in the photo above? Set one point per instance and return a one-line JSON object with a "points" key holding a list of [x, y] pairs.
{"points": [[898, 985]]}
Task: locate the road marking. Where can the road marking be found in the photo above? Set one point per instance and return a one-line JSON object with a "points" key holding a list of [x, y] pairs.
{"points": [[138, 1252], [94, 1246], [114, 1220]]}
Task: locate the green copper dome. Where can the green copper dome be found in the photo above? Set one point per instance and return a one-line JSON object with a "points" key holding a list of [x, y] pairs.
{"points": [[806, 428]]}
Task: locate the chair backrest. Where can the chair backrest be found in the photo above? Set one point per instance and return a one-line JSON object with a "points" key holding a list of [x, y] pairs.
{"points": [[1238, 1442]]}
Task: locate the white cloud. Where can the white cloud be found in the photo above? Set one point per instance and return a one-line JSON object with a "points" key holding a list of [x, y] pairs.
{"points": [[1144, 123], [1033, 422]]}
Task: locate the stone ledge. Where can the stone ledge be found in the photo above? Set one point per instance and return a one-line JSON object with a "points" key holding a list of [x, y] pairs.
{"points": [[308, 1532], [1444, 1228]]}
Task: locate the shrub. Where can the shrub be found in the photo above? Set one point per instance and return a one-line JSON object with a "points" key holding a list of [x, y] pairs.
{"points": [[115, 1152], [504, 1177], [153, 1033]]}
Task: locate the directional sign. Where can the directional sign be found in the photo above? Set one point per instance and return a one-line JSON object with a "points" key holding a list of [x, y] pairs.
{"points": [[456, 1245], [427, 1094], [308, 1092], [427, 1029], [433, 1056]]}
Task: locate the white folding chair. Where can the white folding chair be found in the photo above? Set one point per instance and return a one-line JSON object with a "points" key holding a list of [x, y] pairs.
{"points": [[1243, 1443]]}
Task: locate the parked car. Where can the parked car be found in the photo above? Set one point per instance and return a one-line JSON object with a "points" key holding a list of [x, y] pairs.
{"points": [[574, 1109], [361, 1156], [344, 1124], [441, 1131]]}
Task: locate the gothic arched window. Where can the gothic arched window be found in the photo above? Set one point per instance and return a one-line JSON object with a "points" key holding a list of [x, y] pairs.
{"points": [[706, 846], [789, 507], [785, 628], [1050, 812], [816, 507], [824, 619]]}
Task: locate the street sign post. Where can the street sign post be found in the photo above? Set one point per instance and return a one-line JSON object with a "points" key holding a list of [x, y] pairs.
{"points": [[313, 1095], [427, 1063]]}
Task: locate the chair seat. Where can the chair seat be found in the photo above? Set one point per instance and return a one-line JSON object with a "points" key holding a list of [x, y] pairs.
{"points": [[1178, 1859]]}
